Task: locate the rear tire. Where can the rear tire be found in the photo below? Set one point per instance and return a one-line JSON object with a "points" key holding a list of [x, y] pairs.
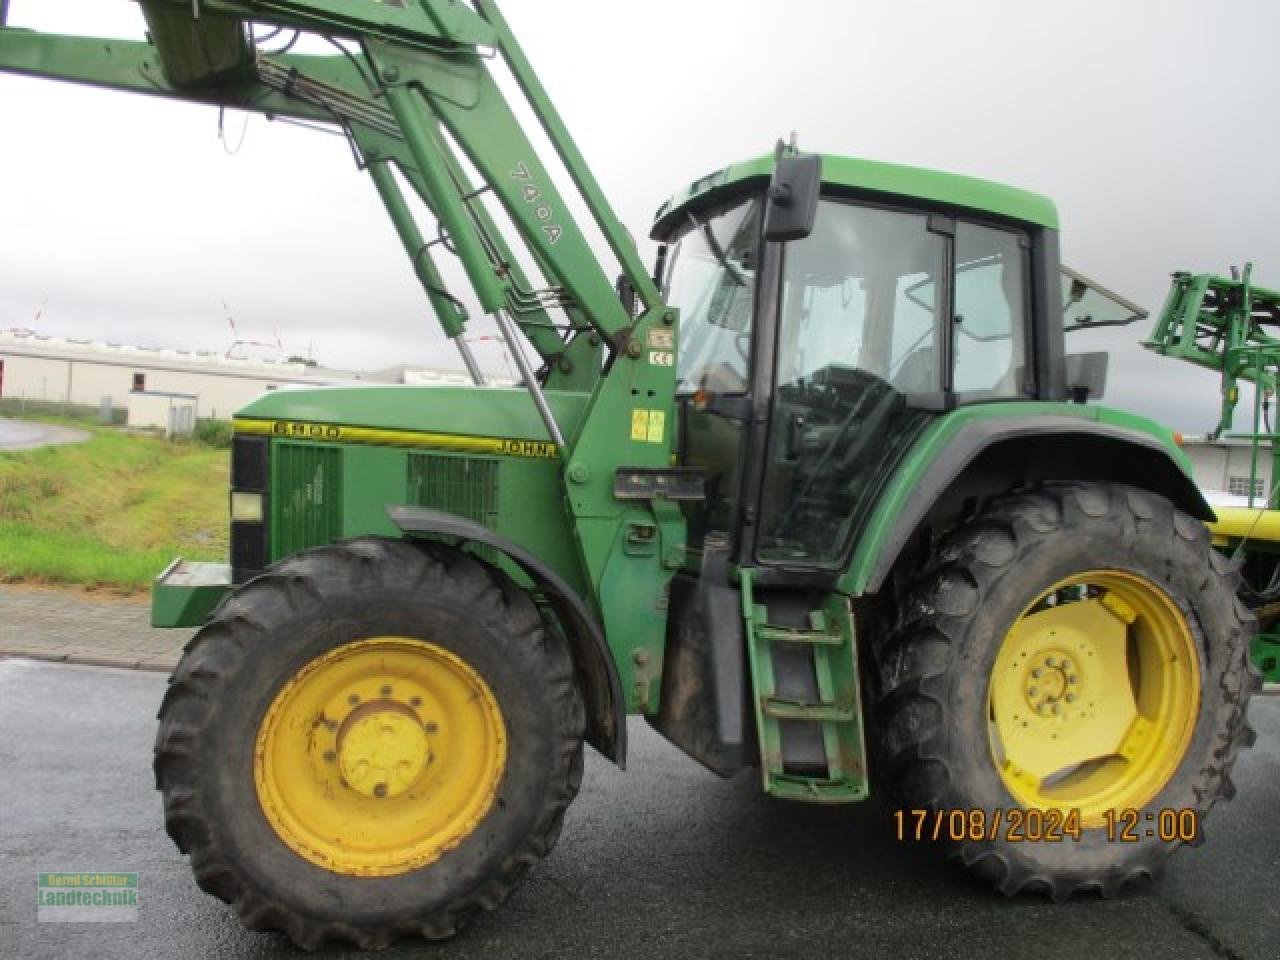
{"points": [[265, 640], [936, 710]]}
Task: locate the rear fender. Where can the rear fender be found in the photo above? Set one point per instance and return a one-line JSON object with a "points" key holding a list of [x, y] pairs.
{"points": [[990, 455]]}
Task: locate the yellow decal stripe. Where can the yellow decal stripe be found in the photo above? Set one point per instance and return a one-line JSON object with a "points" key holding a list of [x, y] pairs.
{"points": [[340, 433]]}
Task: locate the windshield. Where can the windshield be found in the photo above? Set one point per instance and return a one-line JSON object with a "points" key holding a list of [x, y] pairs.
{"points": [[711, 279]]}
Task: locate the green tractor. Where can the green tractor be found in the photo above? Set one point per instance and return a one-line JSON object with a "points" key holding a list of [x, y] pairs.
{"points": [[822, 495]]}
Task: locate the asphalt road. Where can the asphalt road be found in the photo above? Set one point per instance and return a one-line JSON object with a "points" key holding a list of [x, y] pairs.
{"points": [[661, 860], [26, 435]]}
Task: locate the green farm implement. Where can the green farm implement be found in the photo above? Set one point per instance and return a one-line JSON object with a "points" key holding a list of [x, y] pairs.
{"points": [[822, 495], [1232, 326]]}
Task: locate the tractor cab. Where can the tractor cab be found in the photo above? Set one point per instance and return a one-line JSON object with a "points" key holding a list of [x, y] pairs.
{"points": [[807, 367]]}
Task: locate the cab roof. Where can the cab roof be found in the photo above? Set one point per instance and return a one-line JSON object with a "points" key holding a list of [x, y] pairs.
{"points": [[890, 179]]}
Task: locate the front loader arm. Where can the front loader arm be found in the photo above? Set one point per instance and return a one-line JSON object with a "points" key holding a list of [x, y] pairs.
{"points": [[135, 67], [431, 80], [420, 104]]}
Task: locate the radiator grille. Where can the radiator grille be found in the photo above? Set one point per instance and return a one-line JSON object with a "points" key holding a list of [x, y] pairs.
{"points": [[466, 486], [308, 495]]}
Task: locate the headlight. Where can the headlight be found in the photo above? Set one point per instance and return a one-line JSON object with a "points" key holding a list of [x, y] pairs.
{"points": [[246, 507]]}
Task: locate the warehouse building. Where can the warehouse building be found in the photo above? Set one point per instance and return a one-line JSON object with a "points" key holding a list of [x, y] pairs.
{"points": [[162, 387], [1223, 467]]}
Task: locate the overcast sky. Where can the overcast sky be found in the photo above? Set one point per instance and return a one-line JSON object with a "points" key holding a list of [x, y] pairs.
{"points": [[1151, 126]]}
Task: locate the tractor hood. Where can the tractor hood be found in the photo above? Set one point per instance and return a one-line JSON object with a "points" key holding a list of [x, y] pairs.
{"points": [[457, 417]]}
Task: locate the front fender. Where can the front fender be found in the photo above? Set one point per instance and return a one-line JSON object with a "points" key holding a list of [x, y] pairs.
{"points": [[600, 685]]}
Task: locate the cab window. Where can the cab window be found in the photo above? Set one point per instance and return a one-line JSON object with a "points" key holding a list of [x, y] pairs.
{"points": [[990, 317]]}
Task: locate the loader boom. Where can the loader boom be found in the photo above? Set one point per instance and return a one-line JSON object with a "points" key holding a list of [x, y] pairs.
{"points": [[420, 105], [418, 97]]}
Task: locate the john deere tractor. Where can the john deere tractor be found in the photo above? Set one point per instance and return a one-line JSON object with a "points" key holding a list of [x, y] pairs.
{"points": [[822, 496]]}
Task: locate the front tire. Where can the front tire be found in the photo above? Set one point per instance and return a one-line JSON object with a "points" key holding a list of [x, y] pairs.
{"points": [[374, 739], [1074, 648]]}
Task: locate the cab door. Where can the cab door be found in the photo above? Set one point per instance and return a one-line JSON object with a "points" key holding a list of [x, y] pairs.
{"points": [[886, 318]]}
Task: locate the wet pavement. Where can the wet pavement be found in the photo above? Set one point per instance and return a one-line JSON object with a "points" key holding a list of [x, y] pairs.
{"points": [[663, 859], [27, 435]]}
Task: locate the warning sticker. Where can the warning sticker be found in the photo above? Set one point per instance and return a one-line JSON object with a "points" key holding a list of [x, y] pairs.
{"points": [[640, 425], [657, 425], [662, 339], [648, 426]]}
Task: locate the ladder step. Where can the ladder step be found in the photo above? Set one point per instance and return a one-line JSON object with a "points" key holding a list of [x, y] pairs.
{"points": [[804, 678], [817, 790], [799, 710], [772, 634]]}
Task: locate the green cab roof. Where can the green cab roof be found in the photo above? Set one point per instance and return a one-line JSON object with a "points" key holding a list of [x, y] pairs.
{"points": [[890, 179]]}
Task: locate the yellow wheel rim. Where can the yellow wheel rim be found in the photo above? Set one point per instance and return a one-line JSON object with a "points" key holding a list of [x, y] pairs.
{"points": [[1094, 696], [380, 756]]}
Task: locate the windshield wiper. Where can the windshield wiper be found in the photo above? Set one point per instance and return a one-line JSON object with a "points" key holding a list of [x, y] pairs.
{"points": [[717, 251]]}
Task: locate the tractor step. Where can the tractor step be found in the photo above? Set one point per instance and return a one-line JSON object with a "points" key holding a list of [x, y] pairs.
{"points": [[805, 689], [816, 790], [819, 635], [802, 710]]}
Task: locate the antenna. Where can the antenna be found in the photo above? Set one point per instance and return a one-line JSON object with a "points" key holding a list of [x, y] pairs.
{"points": [[238, 341]]}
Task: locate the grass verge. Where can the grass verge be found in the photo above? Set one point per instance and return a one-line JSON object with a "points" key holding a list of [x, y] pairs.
{"points": [[110, 512]]}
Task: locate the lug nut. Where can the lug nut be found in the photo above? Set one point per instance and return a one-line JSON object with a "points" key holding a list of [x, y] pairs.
{"points": [[430, 726], [1066, 664], [385, 691], [1037, 673], [330, 756], [415, 701], [1033, 692], [380, 790], [353, 699], [1072, 679], [1050, 662], [1070, 698]]}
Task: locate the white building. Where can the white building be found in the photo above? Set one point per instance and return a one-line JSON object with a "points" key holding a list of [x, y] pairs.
{"points": [[1223, 466], [59, 370], [174, 413]]}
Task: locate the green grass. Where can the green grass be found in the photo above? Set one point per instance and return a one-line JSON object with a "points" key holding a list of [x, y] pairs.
{"points": [[110, 512]]}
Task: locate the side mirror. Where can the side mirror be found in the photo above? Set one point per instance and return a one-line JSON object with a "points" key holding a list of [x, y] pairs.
{"points": [[792, 203]]}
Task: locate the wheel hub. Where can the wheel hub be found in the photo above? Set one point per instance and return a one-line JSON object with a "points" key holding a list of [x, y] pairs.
{"points": [[382, 749], [1093, 695], [1051, 684], [380, 756]]}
